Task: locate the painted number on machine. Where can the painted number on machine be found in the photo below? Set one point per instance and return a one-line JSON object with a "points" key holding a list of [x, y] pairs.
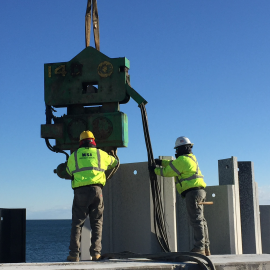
{"points": [[49, 71], [61, 70]]}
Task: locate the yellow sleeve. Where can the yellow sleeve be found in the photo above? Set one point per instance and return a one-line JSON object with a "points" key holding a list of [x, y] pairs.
{"points": [[70, 163], [165, 162], [113, 164], [109, 161], [173, 168]]}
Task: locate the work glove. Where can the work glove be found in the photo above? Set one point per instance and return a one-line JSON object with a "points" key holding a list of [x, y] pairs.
{"points": [[151, 168], [158, 162]]}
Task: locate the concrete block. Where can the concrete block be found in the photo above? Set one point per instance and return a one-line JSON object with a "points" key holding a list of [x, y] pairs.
{"points": [[220, 218], [250, 219], [128, 215], [265, 228], [128, 220], [228, 175]]}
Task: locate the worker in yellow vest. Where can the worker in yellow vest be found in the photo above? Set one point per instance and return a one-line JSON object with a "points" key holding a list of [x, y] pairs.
{"points": [[190, 184], [87, 166]]}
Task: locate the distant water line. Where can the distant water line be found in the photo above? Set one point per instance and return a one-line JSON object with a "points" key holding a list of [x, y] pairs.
{"points": [[47, 240]]}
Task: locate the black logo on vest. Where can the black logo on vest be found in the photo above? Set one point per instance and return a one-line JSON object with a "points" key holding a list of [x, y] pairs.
{"points": [[86, 155]]}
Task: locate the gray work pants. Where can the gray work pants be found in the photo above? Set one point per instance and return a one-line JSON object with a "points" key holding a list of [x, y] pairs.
{"points": [[196, 218], [87, 200]]}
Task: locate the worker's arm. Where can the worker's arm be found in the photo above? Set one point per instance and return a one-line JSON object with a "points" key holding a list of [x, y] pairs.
{"points": [[162, 162], [165, 162], [70, 164], [67, 169], [112, 162], [171, 168]]}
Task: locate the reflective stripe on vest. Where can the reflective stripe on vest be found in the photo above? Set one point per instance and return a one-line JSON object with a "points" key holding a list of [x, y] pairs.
{"points": [[68, 170], [172, 166], [87, 168], [192, 177], [195, 175], [174, 169]]}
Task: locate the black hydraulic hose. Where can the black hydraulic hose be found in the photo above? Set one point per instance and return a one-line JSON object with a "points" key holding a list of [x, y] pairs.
{"points": [[55, 149], [114, 170], [49, 117], [159, 218], [202, 260]]}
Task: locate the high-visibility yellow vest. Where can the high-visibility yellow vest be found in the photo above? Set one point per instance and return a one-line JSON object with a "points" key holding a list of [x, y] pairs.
{"points": [[88, 166], [186, 171]]}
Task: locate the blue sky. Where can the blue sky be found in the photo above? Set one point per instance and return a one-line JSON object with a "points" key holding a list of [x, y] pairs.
{"points": [[203, 67]]}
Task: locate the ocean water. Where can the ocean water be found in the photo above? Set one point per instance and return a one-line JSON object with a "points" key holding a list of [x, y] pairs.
{"points": [[47, 240]]}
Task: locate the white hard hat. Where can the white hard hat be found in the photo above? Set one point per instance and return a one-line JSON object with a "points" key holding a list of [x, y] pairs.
{"points": [[182, 141]]}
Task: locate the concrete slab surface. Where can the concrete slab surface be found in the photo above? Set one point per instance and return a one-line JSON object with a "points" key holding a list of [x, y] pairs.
{"points": [[241, 262], [221, 262], [111, 264]]}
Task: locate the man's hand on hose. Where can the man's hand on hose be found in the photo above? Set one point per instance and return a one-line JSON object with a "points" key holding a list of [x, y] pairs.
{"points": [[158, 162]]}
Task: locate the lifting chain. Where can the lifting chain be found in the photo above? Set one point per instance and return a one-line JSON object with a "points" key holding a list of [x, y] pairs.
{"points": [[92, 11]]}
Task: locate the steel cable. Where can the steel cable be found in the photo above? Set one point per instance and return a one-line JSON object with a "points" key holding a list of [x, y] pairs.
{"points": [[159, 218]]}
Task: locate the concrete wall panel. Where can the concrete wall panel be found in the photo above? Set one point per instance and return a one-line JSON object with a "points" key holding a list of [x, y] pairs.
{"points": [[128, 211], [128, 215], [220, 218], [228, 175], [250, 219], [184, 230], [265, 228]]}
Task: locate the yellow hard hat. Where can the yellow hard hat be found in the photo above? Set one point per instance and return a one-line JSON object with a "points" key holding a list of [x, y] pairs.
{"points": [[87, 135]]}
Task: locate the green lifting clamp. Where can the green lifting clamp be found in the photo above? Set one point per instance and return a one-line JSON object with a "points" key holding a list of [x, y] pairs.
{"points": [[91, 86]]}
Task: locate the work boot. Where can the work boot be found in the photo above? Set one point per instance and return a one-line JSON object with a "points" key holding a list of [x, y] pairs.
{"points": [[73, 259], [96, 257], [199, 251], [207, 252]]}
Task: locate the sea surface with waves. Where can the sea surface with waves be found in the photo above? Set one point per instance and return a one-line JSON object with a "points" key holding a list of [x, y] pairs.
{"points": [[47, 240]]}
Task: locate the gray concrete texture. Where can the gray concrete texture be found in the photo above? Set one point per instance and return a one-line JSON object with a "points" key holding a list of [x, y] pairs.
{"points": [[221, 262], [228, 175], [184, 230], [250, 218], [128, 220], [128, 215], [220, 218], [265, 228]]}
